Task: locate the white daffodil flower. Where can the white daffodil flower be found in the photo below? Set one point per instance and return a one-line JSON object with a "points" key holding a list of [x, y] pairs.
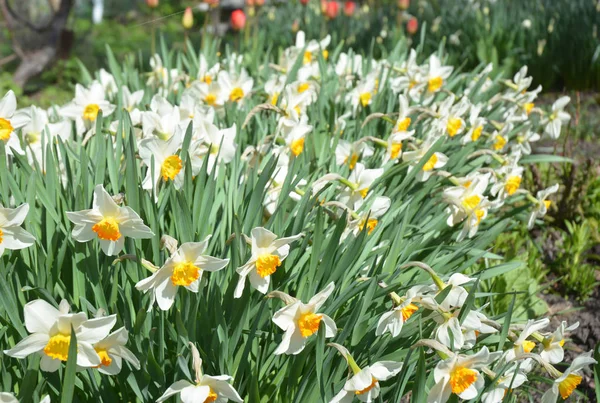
{"points": [[237, 87], [85, 107], [523, 140], [511, 379], [163, 120], [450, 116], [350, 153], [295, 135], [476, 125], [437, 160], [403, 122], [541, 208], [205, 388], [268, 253], [557, 118], [522, 345], [434, 79], [567, 382], [362, 95], [392, 321], [112, 352], [552, 345], [210, 94], [218, 145], [108, 222], [168, 165], [8, 124], [364, 384], [509, 182], [349, 66], [467, 203], [207, 74], [50, 336], [160, 76], [108, 83], [369, 218], [12, 236], [459, 375], [361, 180], [300, 321], [183, 269]]}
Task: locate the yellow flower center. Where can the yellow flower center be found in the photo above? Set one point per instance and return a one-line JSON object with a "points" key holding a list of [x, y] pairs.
{"points": [[568, 385], [547, 203], [363, 192], [274, 99], [206, 79], [453, 126], [5, 129], [412, 84], [499, 143], [368, 388], [461, 378], [267, 265], [236, 94], [528, 107], [476, 133], [32, 138], [365, 99], [104, 357], [429, 165], [58, 347], [467, 184], [302, 87], [325, 54], [435, 84], [171, 166], [469, 203], [307, 57], [479, 213], [90, 113], [212, 396], [395, 152], [352, 160], [1, 236], [512, 184], [403, 124], [297, 146], [370, 224], [107, 229], [210, 99], [185, 273], [561, 342], [528, 346], [308, 323], [408, 311]]}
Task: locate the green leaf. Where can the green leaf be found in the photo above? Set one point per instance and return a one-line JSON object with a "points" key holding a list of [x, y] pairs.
{"points": [[68, 387]]}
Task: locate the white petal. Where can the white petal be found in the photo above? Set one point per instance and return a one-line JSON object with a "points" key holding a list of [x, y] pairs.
{"points": [[384, 370], [175, 388], [29, 345], [40, 316], [86, 355], [94, 330]]}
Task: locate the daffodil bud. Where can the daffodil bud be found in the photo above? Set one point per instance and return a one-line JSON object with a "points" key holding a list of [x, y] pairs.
{"points": [[169, 243], [188, 18]]}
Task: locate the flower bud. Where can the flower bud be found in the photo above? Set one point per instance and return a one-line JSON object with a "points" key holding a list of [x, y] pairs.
{"points": [[304, 2], [169, 243], [403, 4], [349, 8], [238, 20], [412, 26], [332, 9], [152, 3], [188, 18]]}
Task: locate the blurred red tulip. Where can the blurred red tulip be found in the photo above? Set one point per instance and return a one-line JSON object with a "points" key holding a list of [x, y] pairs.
{"points": [[304, 2], [250, 3], [412, 26], [238, 20], [349, 8], [259, 2], [332, 9], [152, 3], [403, 4]]}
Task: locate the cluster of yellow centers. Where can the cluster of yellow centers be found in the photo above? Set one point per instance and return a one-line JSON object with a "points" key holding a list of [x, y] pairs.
{"points": [[453, 126], [434, 84], [5, 129], [90, 112], [512, 184], [212, 396], [170, 167], [58, 347], [267, 264], [104, 357], [368, 388], [408, 311], [430, 164], [206, 79], [308, 323], [236, 94], [365, 99], [185, 273], [461, 378], [297, 146], [528, 346], [303, 87], [370, 224], [568, 385], [469, 203], [1, 236], [107, 229], [528, 107], [364, 192], [395, 150], [476, 133]]}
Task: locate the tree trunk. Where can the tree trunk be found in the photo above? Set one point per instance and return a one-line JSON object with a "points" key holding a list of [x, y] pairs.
{"points": [[38, 42]]}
